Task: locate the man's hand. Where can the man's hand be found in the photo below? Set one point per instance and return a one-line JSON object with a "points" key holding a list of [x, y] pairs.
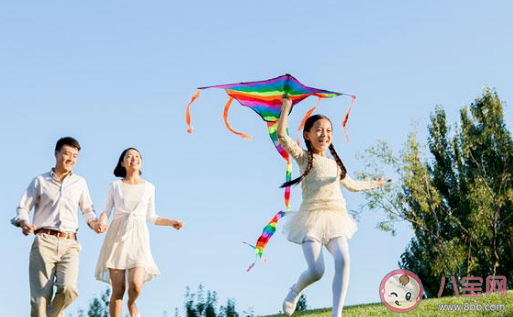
{"points": [[27, 228]]}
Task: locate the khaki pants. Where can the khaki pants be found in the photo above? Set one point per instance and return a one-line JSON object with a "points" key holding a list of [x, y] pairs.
{"points": [[53, 261]]}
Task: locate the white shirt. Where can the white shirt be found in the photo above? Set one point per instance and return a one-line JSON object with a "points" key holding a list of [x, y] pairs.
{"points": [[120, 201], [55, 203], [132, 194]]}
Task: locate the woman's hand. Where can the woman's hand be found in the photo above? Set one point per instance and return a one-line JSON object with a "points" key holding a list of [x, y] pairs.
{"points": [[102, 227], [176, 224], [98, 226]]}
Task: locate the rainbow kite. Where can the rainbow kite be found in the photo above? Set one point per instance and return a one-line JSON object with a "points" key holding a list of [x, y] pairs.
{"points": [[264, 97]]}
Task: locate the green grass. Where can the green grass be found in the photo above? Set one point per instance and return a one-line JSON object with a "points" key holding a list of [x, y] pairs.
{"points": [[427, 307]]}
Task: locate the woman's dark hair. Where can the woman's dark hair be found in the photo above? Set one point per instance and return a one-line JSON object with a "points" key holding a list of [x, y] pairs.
{"points": [[119, 170], [66, 141], [308, 125]]}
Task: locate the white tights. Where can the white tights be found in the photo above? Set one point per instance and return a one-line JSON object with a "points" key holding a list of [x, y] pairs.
{"points": [[313, 254]]}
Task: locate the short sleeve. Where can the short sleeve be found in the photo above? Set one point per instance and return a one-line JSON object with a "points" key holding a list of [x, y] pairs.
{"points": [[151, 215], [109, 201]]}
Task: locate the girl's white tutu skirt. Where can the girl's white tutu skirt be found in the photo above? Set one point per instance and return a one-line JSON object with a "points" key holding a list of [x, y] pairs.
{"points": [[318, 225]]}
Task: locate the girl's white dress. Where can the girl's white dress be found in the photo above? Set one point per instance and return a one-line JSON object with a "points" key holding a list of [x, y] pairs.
{"points": [[322, 215], [127, 241]]}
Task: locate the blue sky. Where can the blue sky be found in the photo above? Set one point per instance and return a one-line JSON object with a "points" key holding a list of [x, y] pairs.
{"points": [[120, 73]]}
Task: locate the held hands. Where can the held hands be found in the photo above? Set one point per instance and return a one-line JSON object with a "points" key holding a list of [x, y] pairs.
{"points": [[102, 227], [98, 226], [101, 224], [27, 228]]}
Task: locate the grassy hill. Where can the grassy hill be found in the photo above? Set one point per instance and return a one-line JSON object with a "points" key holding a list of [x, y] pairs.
{"points": [[426, 308]]}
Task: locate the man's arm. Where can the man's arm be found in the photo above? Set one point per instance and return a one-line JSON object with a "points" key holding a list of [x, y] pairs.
{"points": [[29, 199]]}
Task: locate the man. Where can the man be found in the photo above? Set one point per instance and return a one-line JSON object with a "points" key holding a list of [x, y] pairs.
{"points": [[55, 197]]}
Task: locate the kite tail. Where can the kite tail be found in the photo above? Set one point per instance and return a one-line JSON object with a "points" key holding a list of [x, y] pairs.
{"points": [[347, 117], [272, 128], [270, 228], [267, 233], [225, 118], [188, 112]]}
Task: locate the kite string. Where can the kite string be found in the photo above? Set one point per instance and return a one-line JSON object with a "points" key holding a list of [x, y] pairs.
{"points": [[353, 97], [307, 115]]}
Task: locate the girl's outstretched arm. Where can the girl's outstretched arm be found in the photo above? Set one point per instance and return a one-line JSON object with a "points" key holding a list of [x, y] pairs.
{"points": [[355, 185], [286, 105], [169, 222]]}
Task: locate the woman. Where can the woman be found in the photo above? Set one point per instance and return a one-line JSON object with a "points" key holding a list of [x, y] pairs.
{"points": [[126, 248]]}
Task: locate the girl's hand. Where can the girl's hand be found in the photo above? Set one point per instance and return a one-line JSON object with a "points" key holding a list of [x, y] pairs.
{"points": [[381, 181], [286, 103], [176, 224]]}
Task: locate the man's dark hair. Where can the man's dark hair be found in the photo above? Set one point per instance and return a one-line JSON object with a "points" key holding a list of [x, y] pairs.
{"points": [[66, 141]]}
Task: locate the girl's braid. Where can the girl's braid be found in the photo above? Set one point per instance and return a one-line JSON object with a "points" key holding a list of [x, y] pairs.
{"points": [[308, 167], [343, 170]]}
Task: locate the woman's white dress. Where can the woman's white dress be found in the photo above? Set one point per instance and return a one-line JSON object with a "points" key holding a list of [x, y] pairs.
{"points": [[322, 215], [127, 241]]}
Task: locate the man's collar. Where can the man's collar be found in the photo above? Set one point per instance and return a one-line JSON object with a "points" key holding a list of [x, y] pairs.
{"points": [[52, 173]]}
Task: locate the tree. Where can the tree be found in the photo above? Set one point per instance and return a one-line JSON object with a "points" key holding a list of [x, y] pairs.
{"points": [[98, 307], [190, 306], [458, 199], [210, 309], [301, 303], [229, 310], [199, 305]]}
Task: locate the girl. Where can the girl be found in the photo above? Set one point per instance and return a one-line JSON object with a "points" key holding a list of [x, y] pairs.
{"points": [[322, 219], [126, 248]]}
